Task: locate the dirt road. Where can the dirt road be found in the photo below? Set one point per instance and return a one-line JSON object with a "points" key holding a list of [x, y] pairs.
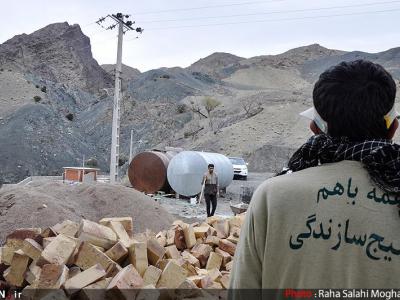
{"points": [[253, 181], [182, 208]]}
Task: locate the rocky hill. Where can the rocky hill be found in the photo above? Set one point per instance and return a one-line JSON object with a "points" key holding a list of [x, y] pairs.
{"points": [[128, 73], [219, 64], [54, 110], [59, 53]]}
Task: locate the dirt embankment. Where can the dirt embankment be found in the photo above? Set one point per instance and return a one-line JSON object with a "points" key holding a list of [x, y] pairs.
{"points": [[42, 204]]}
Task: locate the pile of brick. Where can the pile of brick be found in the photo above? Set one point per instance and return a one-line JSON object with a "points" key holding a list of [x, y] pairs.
{"points": [[77, 258]]}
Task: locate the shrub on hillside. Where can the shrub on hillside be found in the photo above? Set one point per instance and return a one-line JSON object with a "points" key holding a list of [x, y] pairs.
{"points": [[37, 99], [70, 116], [181, 108], [92, 163], [122, 160]]}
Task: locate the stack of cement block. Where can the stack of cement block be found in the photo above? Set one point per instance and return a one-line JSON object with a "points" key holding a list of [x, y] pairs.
{"points": [[73, 259]]}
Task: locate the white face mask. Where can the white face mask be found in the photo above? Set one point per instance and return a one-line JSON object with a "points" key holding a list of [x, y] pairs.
{"points": [[391, 116], [313, 115]]}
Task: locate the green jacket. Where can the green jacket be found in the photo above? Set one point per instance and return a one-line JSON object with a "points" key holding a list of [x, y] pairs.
{"points": [[323, 227]]}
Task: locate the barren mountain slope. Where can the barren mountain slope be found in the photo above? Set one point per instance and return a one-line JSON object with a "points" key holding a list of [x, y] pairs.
{"points": [[128, 73], [266, 77], [293, 58], [163, 107], [16, 91], [218, 64], [58, 52]]}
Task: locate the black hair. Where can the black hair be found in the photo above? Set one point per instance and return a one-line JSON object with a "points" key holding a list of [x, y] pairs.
{"points": [[353, 97], [211, 165]]}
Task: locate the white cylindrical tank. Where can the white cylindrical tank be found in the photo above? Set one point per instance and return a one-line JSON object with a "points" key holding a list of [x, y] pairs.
{"points": [[186, 169]]}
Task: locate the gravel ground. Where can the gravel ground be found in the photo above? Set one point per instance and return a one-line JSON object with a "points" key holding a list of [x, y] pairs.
{"points": [[45, 203], [182, 209]]}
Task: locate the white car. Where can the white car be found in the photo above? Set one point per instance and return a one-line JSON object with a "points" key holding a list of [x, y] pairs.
{"points": [[239, 167]]}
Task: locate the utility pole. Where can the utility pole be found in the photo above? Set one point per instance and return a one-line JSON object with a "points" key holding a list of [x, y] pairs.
{"points": [[114, 159], [118, 19]]}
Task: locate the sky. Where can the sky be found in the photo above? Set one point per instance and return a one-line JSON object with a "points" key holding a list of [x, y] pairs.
{"points": [[178, 32]]}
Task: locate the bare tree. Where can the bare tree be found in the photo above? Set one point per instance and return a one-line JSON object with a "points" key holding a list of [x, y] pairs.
{"points": [[193, 131], [210, 104], [196, 108], [251, 107]]}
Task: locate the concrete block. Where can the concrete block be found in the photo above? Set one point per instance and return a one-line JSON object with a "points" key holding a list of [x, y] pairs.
{"points": [[201, 252], [190, 238], [227, 246], [97, 234], [15, 240], [229, 265], [151, 276], [52, 276], [85, 278], [214, 261], [121, 233], [32, 275], [46, 241], [224, 280], [95, 291], [58, 251], [202, 231], [172, 276], [138, 255], [67, 228], [118, 252], [212, 240], [172, 252], [170, 235], [179, 239], [88, 256], [125, 221], [215, 274], [32, 249], [15, 274], [154, 251], [125, 284], [186, 255], [226, 257]]}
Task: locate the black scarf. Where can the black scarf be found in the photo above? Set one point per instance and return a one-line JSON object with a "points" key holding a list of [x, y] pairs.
{"points": [[381, 158]]}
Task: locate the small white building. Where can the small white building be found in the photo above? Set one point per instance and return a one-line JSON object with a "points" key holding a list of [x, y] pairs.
{"points": [[80, 174]]}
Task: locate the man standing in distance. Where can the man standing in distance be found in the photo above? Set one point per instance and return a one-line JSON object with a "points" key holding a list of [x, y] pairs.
{"points": [[211, 187]]}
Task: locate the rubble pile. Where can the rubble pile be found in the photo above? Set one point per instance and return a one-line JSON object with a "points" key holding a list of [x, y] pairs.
{"points": [[71, 259]]}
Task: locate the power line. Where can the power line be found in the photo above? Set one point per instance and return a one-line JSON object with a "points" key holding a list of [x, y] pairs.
{"points": [[88, 24], [206, 7], [124, 26], [273, 12], [276, 20]]}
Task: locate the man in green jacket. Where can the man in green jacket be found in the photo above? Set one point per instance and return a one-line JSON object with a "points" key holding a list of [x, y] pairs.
{"points": [[331, 219]]}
